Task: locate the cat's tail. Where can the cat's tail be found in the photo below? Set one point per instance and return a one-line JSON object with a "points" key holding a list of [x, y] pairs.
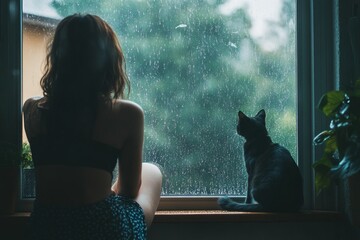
{"points": [[228, 204]]}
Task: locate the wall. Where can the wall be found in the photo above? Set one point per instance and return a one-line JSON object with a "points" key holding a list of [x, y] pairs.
{"points": [[34, 52], [250, 231], [16, 229], [35, 40]]}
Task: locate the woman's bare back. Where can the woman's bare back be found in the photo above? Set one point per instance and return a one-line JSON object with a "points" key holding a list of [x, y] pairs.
{"points": [[69, 185]]}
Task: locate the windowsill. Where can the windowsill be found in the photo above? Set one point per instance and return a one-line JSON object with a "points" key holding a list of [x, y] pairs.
{"points": [[223, 216]]}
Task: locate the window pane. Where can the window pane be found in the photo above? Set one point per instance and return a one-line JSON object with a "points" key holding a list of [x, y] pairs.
{"points": [[193, 65]]}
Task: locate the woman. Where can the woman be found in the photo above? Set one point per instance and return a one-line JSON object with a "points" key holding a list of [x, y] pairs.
{"points": [[78, 132]]}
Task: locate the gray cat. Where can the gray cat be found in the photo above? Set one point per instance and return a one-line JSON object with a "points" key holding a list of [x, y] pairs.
{"points": [[274, 179]]}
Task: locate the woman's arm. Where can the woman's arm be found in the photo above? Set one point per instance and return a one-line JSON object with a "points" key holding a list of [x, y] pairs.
{"points": [[130, 159]]}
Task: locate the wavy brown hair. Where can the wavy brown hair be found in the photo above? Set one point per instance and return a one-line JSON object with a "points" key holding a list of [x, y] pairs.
{"points": [[84, 64], [84, 61]]}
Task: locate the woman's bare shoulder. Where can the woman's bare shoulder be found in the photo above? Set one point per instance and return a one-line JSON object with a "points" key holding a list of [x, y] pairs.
{"points": [[32, 119], [30, 102], [119, 121], [128, 108]]}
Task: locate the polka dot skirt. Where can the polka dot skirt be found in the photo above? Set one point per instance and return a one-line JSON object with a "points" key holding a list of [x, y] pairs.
{"points": [[115, 217]]}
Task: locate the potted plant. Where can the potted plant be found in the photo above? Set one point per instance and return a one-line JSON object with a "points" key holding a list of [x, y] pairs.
{"points": [[28, 172], [9, 177], [341, 156], [26, 157]]}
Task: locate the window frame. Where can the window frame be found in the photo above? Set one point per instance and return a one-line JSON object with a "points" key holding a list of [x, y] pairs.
{"points": [[11, 74], [316, 73]]}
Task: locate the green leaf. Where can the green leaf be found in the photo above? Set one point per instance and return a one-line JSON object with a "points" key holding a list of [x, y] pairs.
{"points": [[330, 102], [322, 169], [331, 145], [322, 178], [26, 156], [325, 161], [323, 137]]}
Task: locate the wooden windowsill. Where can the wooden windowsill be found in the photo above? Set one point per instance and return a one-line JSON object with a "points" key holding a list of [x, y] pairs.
{"points": [[223, 216]]}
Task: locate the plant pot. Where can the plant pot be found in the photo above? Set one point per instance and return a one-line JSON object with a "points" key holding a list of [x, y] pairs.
{"points": [[9, 189], [28, 183], [352, 199]]}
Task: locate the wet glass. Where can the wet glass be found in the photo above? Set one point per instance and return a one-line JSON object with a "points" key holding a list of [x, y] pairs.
{"points": [[193, 64]]}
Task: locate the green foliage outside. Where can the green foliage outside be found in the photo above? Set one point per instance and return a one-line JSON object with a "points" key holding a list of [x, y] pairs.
{"points": [[26, 156], [192, 69]]}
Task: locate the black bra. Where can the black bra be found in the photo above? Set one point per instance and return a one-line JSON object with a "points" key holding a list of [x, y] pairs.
{"points": [[73, 152]]}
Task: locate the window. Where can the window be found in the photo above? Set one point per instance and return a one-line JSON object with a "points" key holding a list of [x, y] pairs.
{"points": [[193, 65], [319, 30]]}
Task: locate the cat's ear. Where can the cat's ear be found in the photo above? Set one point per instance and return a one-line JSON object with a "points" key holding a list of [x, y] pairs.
{"points": [[261, 114], [242, 115]]}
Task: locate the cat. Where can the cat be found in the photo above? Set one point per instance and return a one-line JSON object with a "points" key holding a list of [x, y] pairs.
{"points": [[274, 179]]}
